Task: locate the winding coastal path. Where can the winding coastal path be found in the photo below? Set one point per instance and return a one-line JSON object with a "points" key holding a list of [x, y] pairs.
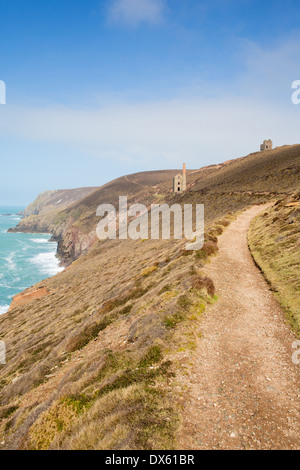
{"points": [[244, 390]]}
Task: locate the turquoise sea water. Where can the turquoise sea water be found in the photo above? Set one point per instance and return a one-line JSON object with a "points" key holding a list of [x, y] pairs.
{"points": [[25, 258]]}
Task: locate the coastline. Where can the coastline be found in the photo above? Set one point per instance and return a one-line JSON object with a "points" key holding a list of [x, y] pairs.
{"points": [[25, 261]]}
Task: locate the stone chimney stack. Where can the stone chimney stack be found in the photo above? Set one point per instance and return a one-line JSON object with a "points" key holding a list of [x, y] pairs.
{"points": [[184, 178], [179, 181]]}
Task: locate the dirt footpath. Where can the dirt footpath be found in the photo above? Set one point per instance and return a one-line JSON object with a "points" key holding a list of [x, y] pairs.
{"points": [[244, 388]]}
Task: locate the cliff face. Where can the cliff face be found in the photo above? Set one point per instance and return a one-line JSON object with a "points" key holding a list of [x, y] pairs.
{"points": [[74, 226], [43, 216], [72, 243]]}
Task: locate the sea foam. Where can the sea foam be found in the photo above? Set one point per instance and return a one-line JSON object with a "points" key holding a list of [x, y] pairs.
{"points": [[3, 309], [10, 261], [39, 240], [25, 259], [47, 263]]}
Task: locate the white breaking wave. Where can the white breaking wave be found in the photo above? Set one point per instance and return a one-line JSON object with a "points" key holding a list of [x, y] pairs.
{"points": [[47, 264], [39, 240], [5, 285], [10, 263], [3, 309]]}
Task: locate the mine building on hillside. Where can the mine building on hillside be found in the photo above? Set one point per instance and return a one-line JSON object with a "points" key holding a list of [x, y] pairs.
{"points": [[267, 145], [179, 181]]}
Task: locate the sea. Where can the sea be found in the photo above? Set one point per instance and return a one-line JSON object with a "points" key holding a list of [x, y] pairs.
{"points": [[25, 258]]}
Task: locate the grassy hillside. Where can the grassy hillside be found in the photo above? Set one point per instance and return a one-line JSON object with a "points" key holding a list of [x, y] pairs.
{"points": [[95, 355], [95, 362], [276, 171], [74, 227], [224, 188], [274, 240], [56, 200], [257, 177]]}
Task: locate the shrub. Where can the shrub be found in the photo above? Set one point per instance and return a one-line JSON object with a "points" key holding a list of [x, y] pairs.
{"points": [[209, 248], [172, 320], [153, 355], [126, 309], [58, 418], [166, 288], [212, 238], [146, 272], [224, 222], [143, 373], [199, 282], [8, 411], [78, 402], [90, 332], [218, 229], [184, 302]]}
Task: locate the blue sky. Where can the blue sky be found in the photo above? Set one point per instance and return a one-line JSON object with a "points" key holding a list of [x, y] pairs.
{"points": [[97, 89]]}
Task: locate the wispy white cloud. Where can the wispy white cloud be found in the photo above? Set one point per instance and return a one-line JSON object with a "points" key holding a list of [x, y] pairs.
{"points": [[135, 12], [270, 70], [159, 134], [197, 127]]}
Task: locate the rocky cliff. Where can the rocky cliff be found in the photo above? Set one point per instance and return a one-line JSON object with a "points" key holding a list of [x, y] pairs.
{"points": [[74, 226]]}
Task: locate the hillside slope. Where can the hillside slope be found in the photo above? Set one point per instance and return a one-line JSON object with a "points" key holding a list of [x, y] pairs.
{"points": [[276, 171], [56, 200], [274, 240], [95, 355], [227, 187], [92, 359], [74, 227], [236, 184]]}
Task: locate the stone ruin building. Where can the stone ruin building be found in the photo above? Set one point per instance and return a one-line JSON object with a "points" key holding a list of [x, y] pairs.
{"points": [[179, 181], [266, 145]]}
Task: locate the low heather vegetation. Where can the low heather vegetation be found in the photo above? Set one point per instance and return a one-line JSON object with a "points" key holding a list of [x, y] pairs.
{"points": [[96, 363], [274, 243]]}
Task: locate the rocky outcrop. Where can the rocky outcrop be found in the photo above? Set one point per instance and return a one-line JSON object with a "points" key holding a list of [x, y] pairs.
{"points": [[28, 296], [35, 224], [72, 244]]}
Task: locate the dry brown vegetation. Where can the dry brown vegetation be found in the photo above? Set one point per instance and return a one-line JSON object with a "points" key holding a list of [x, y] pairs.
{"points": [[274, 240], [92, 364], [96, 364], [50, 201]]}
